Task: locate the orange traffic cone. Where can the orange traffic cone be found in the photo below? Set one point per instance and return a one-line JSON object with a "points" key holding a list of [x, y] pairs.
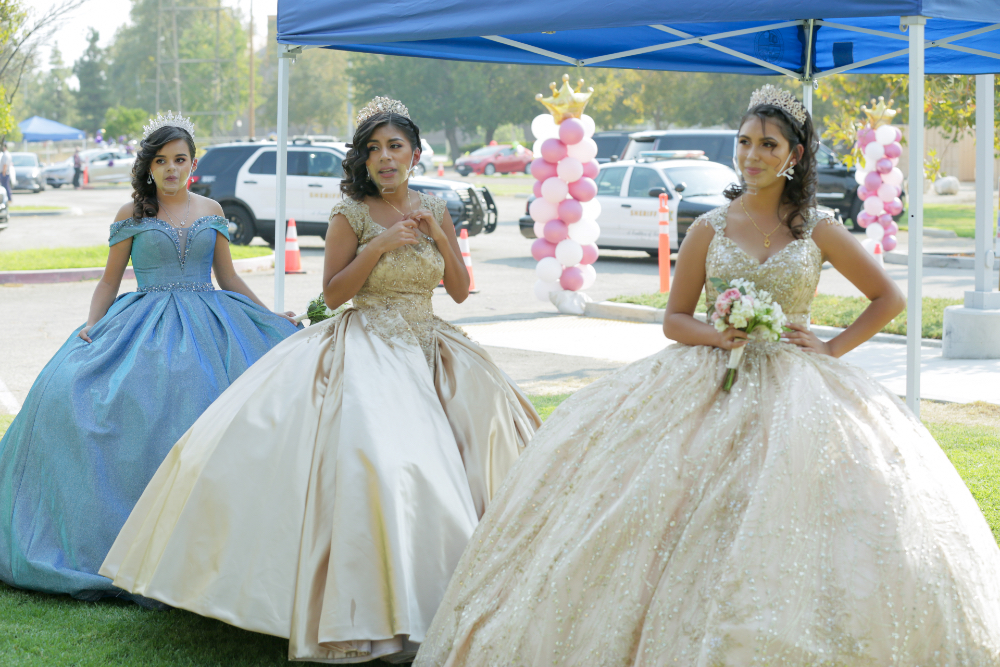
{"points": [[440, 170], [293, 260], [86, 176], [663, 248], [463, 245]]}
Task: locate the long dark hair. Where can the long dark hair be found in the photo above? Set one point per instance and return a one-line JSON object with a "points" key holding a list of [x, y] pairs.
{"points": [[800, 192], [144, 200], [356, 182]]}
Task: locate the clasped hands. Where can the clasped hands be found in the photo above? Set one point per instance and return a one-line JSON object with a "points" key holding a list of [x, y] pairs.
{"points": [[408, 230]]}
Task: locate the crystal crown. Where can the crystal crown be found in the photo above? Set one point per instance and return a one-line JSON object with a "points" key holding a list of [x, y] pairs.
{"points": [[776, 97], [170, 119]]}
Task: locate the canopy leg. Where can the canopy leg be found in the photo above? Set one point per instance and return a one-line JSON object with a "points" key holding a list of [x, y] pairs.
{"points": [[285, 57], [915, 203]]}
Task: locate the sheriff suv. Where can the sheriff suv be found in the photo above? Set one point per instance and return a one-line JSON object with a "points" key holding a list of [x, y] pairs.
{"points": [[242, 177]]}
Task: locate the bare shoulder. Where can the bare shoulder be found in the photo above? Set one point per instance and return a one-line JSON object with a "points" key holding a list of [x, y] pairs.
{"points": [[830, 231], [125, 212], [205, 206]]}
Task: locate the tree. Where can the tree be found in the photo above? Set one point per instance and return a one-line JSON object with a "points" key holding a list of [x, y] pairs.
{"points": [[49, 94], [93, 98], [122, 121]]}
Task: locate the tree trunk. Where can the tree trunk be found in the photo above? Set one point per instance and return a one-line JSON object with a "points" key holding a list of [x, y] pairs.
{"points": [[451, 133], [529, 138], [490, 131]]}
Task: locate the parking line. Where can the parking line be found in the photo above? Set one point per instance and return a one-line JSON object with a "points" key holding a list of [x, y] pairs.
{"points": [[7, 399]]}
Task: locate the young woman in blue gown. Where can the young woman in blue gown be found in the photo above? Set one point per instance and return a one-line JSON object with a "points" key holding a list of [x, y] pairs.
{"points": [[110, 404]]}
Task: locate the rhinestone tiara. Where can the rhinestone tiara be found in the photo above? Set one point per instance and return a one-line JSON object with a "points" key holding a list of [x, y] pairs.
{"points": [[382, 105], [171, 119], [777, 97]]}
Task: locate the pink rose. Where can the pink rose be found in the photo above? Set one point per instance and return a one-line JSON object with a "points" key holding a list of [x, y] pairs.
{"points": [[732, 294]]}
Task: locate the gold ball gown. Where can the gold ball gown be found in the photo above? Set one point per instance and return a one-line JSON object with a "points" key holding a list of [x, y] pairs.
{"points": [[805, 518], [327, 495]]}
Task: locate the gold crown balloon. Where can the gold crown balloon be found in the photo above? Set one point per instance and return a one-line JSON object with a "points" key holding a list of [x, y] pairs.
{"points": [[880, 113], [565, 102]]}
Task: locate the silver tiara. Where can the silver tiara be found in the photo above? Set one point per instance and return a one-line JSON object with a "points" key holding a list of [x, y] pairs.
{"points": [[382, 105], [171, 119], [777, 97]]}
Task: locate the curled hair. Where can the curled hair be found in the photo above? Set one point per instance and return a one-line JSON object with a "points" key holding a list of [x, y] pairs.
{"points": [[145, 204], [800, 192], [356, 183]]}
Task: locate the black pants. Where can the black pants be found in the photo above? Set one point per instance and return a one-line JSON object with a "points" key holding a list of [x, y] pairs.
{"points": [[76, 176]]}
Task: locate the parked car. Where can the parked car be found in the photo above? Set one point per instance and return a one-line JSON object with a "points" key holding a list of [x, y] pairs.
{"points": [[4, 210], [426, 163], [106, 165], [489, 160], [27, 172], [242, 178], [59, 174], [611, 145], [835, 184]]}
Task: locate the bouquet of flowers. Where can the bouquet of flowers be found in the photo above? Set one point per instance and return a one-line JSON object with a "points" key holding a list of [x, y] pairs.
{"points": [[742, 306], [317, 311]]}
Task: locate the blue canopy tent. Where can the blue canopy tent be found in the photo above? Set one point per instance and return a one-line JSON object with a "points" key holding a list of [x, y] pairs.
{"points": [[37, 128], [802, 39]]}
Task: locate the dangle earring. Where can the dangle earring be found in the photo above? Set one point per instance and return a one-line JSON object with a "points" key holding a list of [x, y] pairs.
{"points": [[790, 171], [149, 179]]}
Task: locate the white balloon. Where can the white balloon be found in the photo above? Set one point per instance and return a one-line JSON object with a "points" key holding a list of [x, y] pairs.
{"points": [[544, 289], [536, 149], [874, 152], [569, 252], [585, 151], [589, 275], [591, 209], [539, 228], [544, 127], [569, 169], [548, 269], [885, 135], [589, 126], [542, 210], [875, 231], [584, 232], [554, 189], [859, 175], [869, 244], [894, 177]]}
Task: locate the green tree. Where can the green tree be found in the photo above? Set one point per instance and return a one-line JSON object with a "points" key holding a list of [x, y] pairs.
{"points": [[122, 121], [93, 98], [49, 94]]}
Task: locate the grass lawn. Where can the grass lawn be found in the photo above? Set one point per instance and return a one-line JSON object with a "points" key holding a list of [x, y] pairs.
{"points": [[505, 185], [35, 207], [86, 257], [958, 217], [50, 631], [834, 311]]}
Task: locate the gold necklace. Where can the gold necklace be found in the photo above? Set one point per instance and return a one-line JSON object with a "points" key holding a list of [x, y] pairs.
{"points": [[767, 237], [396, 209]]}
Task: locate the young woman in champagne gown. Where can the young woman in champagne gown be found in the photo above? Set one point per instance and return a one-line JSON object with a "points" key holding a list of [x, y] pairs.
{"points": [[804, 518], [118, 394], [327, 496]]}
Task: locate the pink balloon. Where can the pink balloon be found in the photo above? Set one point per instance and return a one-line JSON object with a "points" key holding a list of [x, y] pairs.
{"points": [[860, 133], [891, 228], [571, 279], [864, 219], [571, 131], [570, 210], [591, 169], [867, 136], [887, 192], [899, 135], [584, 189], [537, 189], [553, 150], [895, 207], [873, 180], [874, 206], [884, 165], [893, 150], [555, 231], [889, 242], [542, 170], [542, 248], [863, 193], [590, 253], [884, 220]]}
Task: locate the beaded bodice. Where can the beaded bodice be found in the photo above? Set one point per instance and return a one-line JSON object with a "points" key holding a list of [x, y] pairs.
{"points": [[167, 259], [791, 275], [396, 297]]}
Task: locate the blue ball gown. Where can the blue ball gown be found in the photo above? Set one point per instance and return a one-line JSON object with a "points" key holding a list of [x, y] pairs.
{"points": [[101, 417]]}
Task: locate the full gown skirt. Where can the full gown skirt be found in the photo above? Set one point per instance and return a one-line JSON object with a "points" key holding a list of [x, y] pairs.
{"points": [[805, 518], [327, 495], [101, 416]]}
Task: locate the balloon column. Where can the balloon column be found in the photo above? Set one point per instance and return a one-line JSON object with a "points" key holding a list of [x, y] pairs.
{"points": [[565, 209], [880, 182]]}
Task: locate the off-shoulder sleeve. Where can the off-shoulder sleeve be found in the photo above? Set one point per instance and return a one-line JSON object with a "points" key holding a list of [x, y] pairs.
{"points": [[354, 213], [817, 218], [436, 205], [220, 224], [124, 229]]}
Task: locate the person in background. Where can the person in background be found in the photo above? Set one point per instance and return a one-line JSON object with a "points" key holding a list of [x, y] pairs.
{"points": [[77, 168], [7, 175]]}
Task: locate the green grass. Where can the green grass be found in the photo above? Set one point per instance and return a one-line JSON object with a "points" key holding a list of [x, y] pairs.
{"points": [[975, 453], [833, 311], [544, 405], [86, 257], [960, 218], [33, 207]]}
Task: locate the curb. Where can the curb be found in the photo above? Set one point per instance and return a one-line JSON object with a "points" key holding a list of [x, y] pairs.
{"points": [[631, 312], [47, 276], [32, 214], [934, 261]]}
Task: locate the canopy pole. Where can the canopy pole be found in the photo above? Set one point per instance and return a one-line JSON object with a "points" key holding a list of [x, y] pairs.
{"points": [[807, 95], [807, 77], [915, 203], [985, 178], [286, 55]]}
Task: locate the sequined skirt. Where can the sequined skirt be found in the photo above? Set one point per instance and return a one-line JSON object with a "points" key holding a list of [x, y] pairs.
{"points": [[805, 518], [101, 416]]}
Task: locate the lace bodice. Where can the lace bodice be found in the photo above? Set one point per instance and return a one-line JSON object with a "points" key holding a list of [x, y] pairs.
{"points": [[791, 275], [396, 297], [167, 259]]}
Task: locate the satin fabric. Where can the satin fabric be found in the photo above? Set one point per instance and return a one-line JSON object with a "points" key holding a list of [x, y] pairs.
{"points": [[327, 496], [101, 416]]}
